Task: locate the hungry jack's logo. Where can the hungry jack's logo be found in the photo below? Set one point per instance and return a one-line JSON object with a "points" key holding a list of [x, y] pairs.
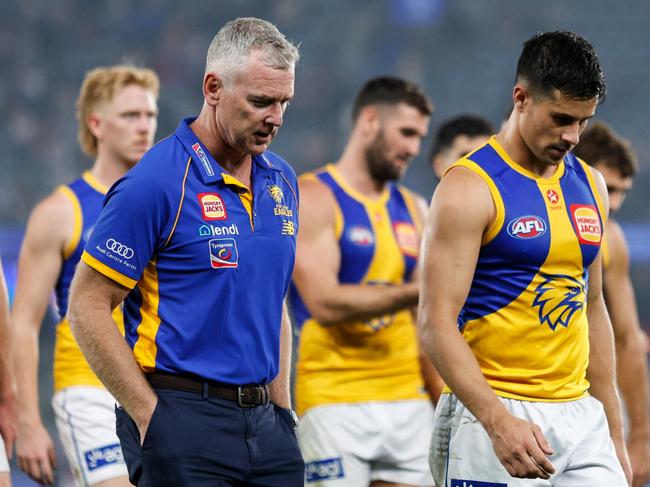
{"points": [[212, 206]]}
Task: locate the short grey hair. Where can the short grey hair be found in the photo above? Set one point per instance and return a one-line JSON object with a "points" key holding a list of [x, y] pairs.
{"points": [[238, 38]]}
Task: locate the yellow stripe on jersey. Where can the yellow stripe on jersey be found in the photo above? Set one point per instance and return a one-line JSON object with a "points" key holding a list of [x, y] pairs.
{"points": [[559, 172], [70, 366], [594, 190], [339, 222], [493, 229], [245, 196], [145, 348], [94, 183], [78, 222], [411, 205], [180, 204], [107, 271]]}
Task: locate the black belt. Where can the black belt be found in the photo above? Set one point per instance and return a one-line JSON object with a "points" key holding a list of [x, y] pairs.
{"points": [[246, 396]]}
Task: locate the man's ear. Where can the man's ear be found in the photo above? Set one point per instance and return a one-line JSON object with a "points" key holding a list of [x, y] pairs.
{"points": [[212, 88], [94, 122]]}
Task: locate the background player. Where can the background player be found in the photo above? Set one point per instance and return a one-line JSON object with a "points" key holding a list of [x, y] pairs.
{"points": [[457, 137], [358, 381], [7, 394], [612, 156], [117, 114], [511, 307]]}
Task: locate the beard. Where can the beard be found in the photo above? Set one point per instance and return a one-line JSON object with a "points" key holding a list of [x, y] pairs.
{"points": [[381, 169]]}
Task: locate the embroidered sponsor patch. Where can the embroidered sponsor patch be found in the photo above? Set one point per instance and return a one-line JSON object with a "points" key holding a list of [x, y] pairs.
{"points": [[106, 455], [361, 236], [407, 238], [552, 196], [203, 158], [214, 231], [212, 206], [529, 226], [223, 253], [475, 483], [328, 469], [587, 224]]}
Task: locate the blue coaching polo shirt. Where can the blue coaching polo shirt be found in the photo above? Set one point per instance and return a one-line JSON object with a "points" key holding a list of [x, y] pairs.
{"points": [[208, 263]]}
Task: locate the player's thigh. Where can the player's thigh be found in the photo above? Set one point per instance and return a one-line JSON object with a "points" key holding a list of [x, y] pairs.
{"points": [[115, 482], [331, 440], [5, 479], [85, 420]]}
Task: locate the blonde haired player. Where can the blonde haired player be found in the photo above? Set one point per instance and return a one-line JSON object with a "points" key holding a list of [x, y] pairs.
{"points": [[117, 113]]}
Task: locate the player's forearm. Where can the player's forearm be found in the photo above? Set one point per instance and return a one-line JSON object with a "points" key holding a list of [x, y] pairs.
{"points": [[600, 371], [279, 390], [459, 369], [25, 366], [109, 356], [349, 303], [632, 375]]}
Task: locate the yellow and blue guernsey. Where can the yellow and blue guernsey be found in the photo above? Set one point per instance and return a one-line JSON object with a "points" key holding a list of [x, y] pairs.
{"points": [[207, 260], [70, 367], [525, 318], [375, 360]]}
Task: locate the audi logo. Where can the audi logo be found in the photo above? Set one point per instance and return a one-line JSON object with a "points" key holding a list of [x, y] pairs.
{"points": [[121, 250]]}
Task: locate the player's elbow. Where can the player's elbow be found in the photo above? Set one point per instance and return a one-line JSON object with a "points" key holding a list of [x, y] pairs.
{"points": [[326, 314]]}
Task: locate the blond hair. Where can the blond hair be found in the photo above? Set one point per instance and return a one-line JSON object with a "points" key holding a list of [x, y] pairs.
{"points": [[100, 86]]}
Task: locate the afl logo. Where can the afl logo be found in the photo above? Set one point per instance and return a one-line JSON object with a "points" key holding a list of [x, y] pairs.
{"points": [[361, 236], [119, 249], [529, 226]]}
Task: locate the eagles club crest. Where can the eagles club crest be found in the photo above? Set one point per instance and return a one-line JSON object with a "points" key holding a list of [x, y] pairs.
{"points": [[559, 297]]}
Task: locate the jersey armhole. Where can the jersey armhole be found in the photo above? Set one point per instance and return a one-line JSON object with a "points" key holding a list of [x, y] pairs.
{"points": [[78, 221]]}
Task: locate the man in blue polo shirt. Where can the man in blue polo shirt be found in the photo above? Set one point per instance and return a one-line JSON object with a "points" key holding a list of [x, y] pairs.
{"points": [[198, 241]]}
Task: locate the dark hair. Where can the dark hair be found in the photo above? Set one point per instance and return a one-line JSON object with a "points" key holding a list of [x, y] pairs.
{"points": [[599, 144], [388, 90], [470, 125], [564, 61]]}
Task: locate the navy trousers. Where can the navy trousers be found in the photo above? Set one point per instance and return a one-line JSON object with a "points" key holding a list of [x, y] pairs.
{"points": [[198, 441]]}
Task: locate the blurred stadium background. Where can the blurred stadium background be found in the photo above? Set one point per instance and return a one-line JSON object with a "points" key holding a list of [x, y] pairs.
{"points": [[462, 52]]}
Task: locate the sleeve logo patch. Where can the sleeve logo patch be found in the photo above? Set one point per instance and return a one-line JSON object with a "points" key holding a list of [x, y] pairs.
{"points": [[212, 206], [223, 253], [106, 455], [328, 469], [587, 224]]}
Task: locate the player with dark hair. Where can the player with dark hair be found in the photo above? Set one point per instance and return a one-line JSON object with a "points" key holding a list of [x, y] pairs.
{"points": [[457, 137], [613, 157], [366, 419], [511, 309]]}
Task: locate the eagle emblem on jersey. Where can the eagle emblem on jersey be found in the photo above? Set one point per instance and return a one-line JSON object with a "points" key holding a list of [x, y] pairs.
{"points": [[559, 297], [276, 193]]}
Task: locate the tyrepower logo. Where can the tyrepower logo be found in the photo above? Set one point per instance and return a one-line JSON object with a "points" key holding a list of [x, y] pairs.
{"points": [[212, 207], [587, 224], [528, 226], [223, 253], [119, 249]]}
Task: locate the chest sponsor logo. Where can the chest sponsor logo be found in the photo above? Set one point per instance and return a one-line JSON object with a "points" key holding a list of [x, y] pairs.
{"points": [[100, 457], [223, 253], [559, 297], [212, 206], [198, 150], [528, 226], [587, 224], [475, 483], [214, 231], [407, 238], [328, 469], [552, 196], [361, 236]]}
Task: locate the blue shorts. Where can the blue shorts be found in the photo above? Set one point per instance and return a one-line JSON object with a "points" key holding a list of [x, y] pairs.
{"points": [[196, 441]]}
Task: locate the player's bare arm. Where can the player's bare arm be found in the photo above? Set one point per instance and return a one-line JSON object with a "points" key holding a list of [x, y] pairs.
{"points": [[433, 383], [318, 254], [461, 211], [7, 392], [48, 232], [93, 297], [601, 368], [280, 388], [631, 365]]}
